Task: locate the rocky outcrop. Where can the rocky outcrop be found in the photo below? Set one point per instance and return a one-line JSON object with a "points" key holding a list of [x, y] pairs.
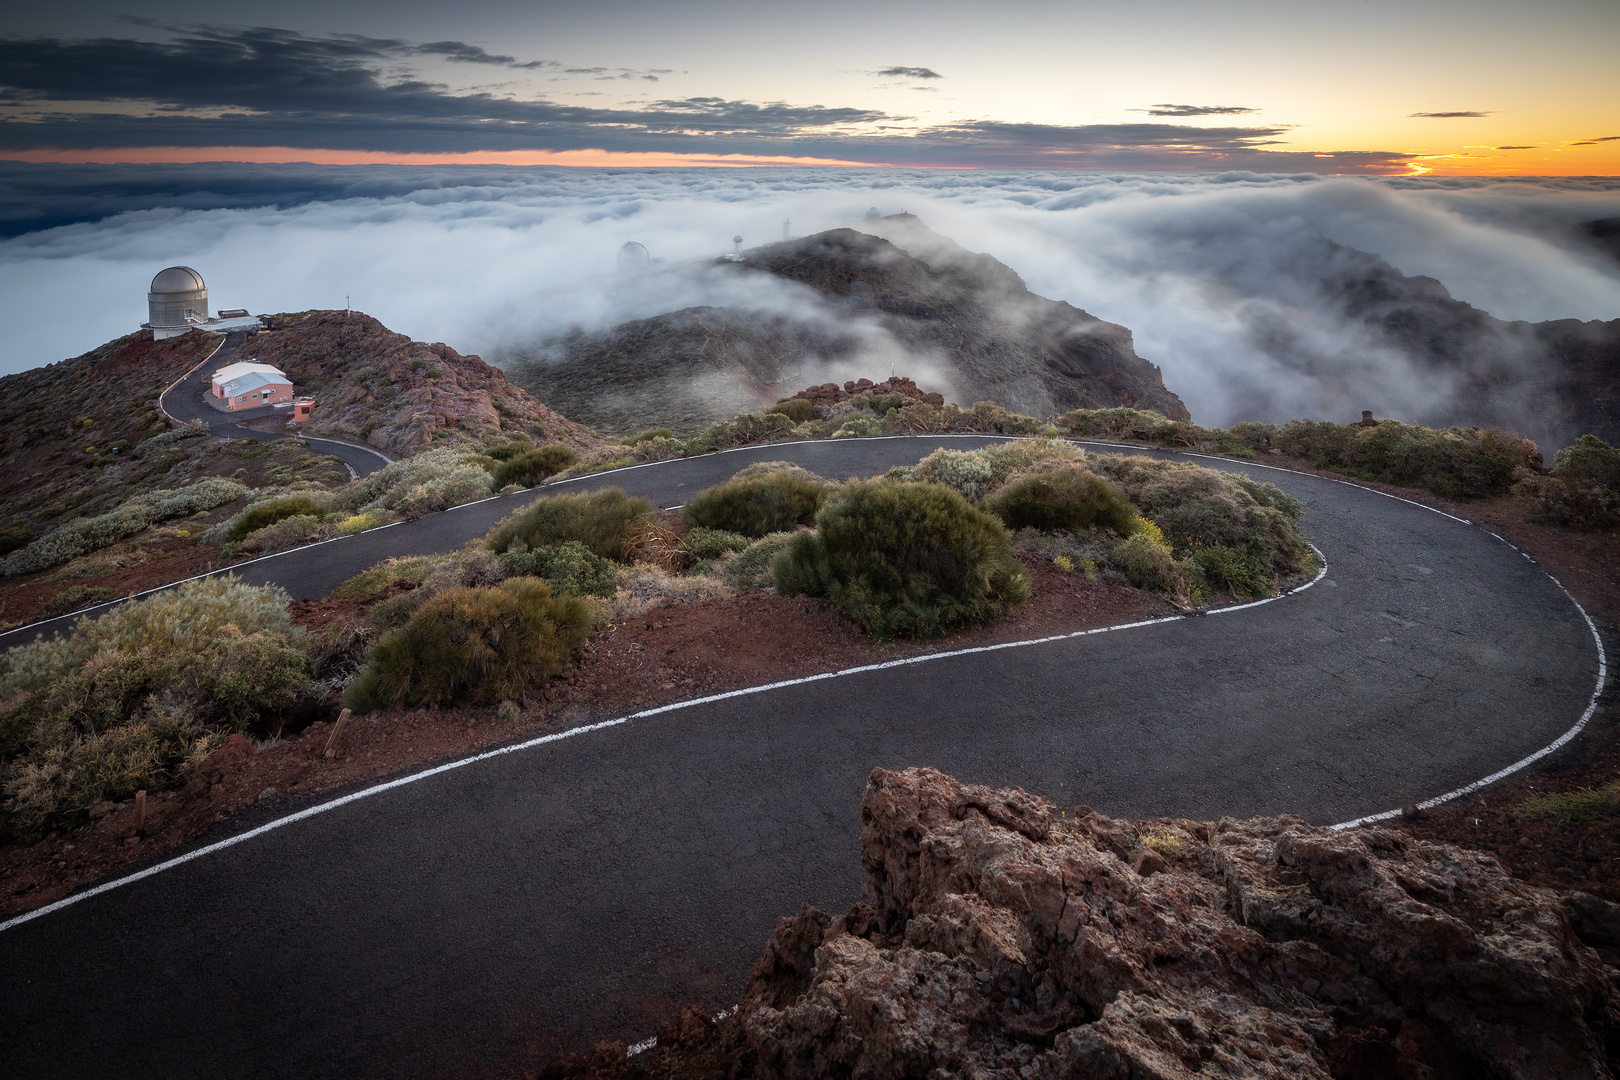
{"points": [[956, 319], [382, 389], [1001, 938]]}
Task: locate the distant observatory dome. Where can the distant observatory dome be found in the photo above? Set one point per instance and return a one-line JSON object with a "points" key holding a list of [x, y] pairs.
{"points": [[633, 256], [873, 212], [178, 297]]}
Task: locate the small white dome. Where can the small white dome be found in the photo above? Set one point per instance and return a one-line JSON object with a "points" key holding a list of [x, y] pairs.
{"points": [[177, 279]]}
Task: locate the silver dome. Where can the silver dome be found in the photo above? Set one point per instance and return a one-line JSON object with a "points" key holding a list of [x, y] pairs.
{"points": [[178, 279]]}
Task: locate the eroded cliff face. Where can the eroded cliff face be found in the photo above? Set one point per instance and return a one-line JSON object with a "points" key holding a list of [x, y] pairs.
{"points": [[999, 938], [948, 317]]}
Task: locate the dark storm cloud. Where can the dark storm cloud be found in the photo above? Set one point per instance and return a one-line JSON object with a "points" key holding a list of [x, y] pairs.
{"points": [[1447, 115], [271, 87], [1196, 110], [909, 73]]}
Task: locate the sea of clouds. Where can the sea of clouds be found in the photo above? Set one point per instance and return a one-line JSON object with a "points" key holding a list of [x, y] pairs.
{"points": [[491, 258]]}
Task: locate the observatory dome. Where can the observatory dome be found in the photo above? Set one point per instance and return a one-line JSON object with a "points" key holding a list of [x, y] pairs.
{"points": [[178, 297]]}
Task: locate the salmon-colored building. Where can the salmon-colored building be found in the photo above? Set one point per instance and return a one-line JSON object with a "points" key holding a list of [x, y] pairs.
{"points": [[248, 385]]}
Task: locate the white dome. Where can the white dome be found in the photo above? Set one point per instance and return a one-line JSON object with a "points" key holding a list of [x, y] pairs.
{"points": [[177, 279]]}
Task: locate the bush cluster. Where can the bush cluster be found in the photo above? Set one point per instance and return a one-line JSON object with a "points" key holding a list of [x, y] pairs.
{"points": [[474, 646], [1067, 498], [608, 522], [570, 568], [271, 511], [973, 474], [1583, 489], [797, 410], [83, 535], [750, 568], [1201, 509], [169, 437], [702, 544], [532, 467], [756, 504], [136, 698], [1457, 463], [904, 559]]}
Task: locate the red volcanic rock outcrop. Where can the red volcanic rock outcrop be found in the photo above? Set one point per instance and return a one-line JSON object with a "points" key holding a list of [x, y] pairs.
{"points": [[1000, 939], [832, 393]]}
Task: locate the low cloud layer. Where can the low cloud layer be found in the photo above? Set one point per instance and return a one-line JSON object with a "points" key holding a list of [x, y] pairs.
{"points": [[1205, 270]]}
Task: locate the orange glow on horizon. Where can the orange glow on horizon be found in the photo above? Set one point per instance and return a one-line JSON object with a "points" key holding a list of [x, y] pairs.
{"points": [[1551, 159], [280, 155]]}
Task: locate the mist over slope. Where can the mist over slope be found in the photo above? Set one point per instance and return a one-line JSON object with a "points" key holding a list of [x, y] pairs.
{"points": [[1203, 269], [962, 323]]}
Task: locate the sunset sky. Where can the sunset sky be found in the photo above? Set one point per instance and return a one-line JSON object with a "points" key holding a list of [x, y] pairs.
{"points": [[1369, 86]]}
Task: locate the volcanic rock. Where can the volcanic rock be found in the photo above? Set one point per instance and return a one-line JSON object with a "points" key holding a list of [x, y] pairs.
{"points": [[999, 938]]}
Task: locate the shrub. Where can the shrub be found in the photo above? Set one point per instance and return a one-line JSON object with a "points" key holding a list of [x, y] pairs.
{"points": [[474, 646], [532, 466], [701, 543], [173, 435], [751, 567], [260, 515], [1253, 434], [1582, 491], [914, 419], [859, 427], [1458, 463], [519, 443], [572, 569], [797, 410], [606, 521], [966, 472], [375, 580], [431, 481], [84, 535], [1200, 509], [1068, 498], [651, 435], [1239, 573], [1137, 424], [989, 418], [1572, 807], [747, 428], [756, 505], [904, 558], [134, 698], [74, 599], [1150, 564], [284, 535]]}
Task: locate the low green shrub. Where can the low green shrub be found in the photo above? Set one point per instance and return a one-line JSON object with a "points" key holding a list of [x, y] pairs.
{"points": [[260, 515], [798, 410], [986, 417], [904, 558], [1200, 509], [1458, 463], [1148, 563], [859, 427], [1241, 573], [507, 449], [167, 438], [751, 567], [426, 483], [75, 598], [969, 473], [650, 435], [84, 535], [702, 543], [606, 521], [474, 646], [1583, 489], [375, 580], [531, 467], [1067, 498], [1573, 807], [756, 505], [747, 428], [571, 568]]}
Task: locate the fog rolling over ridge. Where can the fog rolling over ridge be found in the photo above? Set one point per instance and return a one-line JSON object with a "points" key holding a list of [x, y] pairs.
{"points": [[1250, 292]]}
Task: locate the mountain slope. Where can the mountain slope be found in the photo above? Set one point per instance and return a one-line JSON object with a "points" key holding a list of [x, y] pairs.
{"points": [[949, 318]]}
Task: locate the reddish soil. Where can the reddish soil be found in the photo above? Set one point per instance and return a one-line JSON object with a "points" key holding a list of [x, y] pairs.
{"points": [[23, 599], [671, 653]]}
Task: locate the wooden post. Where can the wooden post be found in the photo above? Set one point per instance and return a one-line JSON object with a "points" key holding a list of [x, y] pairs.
{"points": [[140, 811], [337, 729]]}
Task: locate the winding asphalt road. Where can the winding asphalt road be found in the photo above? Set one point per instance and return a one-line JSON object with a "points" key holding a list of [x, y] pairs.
{"points": [[184, 401], [484, 918]]}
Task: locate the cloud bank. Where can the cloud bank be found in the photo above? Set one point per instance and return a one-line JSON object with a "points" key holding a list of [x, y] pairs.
{"points": [[1205, 270]]}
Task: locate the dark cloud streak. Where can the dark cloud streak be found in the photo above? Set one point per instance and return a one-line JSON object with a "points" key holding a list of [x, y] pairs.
{"points": [[1446, 115], [909, 73], [1196, 110]]}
